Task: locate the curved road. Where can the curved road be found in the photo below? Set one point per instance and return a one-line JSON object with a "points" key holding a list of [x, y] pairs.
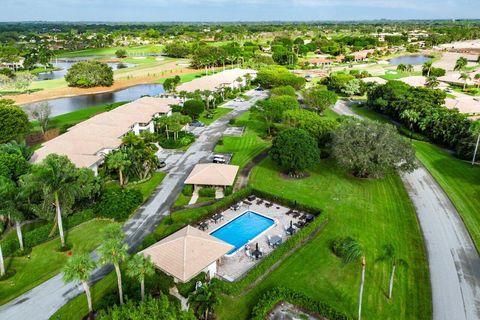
{"points": [[43, 301], [453, 260]]}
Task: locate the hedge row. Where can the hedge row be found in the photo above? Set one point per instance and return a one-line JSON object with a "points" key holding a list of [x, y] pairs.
{"points": [[237, 286], [118, 203], [271, 298], [41, 234]]}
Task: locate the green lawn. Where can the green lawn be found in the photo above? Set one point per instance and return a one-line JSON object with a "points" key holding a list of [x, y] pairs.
{"points": [[110, 51], [399, 75], [147, 187], [249, 145], [45, 261], [182, 200], [459, 179], [456, 177], [217, 113], [375, 212]]}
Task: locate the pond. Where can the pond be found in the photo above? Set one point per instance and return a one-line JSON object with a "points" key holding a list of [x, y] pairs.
{"points": [[69, 104], [64, 65], [415, 59]]}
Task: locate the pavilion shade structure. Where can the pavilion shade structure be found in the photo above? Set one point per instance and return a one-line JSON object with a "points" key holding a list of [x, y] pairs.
{"points": [[186, 253], [213, 174]]}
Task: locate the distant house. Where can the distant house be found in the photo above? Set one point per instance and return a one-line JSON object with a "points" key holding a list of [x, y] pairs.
{"points": [[186, 253], [87, 143], [13, 65], [217, 81]]}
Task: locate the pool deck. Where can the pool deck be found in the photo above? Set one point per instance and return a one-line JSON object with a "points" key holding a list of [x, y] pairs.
{"points": [[233, 267]]}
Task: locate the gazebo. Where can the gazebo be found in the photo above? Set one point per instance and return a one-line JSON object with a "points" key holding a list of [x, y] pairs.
{"points": [[186, 253], [212, 174]]}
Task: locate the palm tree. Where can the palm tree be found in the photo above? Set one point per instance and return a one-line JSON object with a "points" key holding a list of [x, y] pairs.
{"points": [[78, 268], [2, 264], [465, 77], [203, 300], [427, 68], [119, 160], [206, 94], [353, 252], [10, 205], [140, 266], [389, 253], [460, 64], [56, 177], [475, 129], [432, 82], [409, 68], [114, 251], [401, 67], [477, 77]]}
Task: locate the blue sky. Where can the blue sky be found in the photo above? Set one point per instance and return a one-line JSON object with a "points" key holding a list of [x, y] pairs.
{"points": [[235, 10]]}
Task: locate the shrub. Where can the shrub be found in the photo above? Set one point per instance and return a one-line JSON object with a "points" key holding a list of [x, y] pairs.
{"points": [[121, 53], [88, 74], [232, 121], [117, 203], [193, 108], [228, 191], [207, 192], [187, 190], [186, 288], [183, 140], [338, 246], [276, 295]]}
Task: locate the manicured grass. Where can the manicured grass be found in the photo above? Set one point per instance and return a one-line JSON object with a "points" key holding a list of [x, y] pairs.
{"points": [[45, 261], [217, 113], [246, 147], [182, 200], [186, 77], [456, 177], [376, 212], [147, 187], [72, 118], [110, 51], [399, 75], [459, 179]]}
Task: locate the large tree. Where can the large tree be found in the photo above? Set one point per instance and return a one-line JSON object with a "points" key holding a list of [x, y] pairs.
{"points": [[14, 124], [41, 112], [119, 160], [319, 99], [114, 251], [271, 110], [88, 74], [371, 149], [193, 108], [460, 64], [58, 181], [294, 150], [78, 268]]}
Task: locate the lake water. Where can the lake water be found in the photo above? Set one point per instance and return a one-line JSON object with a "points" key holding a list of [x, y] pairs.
{"points": [[415, 59], [65, 65], [69, 104]]}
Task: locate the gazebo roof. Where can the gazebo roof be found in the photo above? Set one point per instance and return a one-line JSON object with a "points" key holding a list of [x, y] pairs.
{"points": [[212, 174], [186, 253]]}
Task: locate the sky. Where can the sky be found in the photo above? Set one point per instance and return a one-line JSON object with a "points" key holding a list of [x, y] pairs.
{"points": [[235, 10]]}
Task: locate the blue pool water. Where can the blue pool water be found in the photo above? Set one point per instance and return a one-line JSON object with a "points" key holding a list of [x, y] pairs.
{"points": [[242, 229]]}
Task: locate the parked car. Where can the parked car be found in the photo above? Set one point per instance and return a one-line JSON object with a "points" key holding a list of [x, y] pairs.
{"points": [[162, 164], [196, 123], [259, 89], [239, 100], [219, 158]]}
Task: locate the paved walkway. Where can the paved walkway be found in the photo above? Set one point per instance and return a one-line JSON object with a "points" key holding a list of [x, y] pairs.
{"points": [[454, 262], [44, 300]]}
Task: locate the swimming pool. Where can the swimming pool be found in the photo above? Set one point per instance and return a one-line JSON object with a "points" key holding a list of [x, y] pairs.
{"points": [[243, 228]]}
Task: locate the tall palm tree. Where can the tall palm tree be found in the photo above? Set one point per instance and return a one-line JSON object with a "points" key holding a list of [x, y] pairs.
{"points": [[56, 177], [119, 161], [427, 68], [409, 68], [354, 252], [114, 251], [389, 253], [401, 67], [78, 268], [460, 64], [465, 77], [431, 82], [10, 205], [140, 266]]}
